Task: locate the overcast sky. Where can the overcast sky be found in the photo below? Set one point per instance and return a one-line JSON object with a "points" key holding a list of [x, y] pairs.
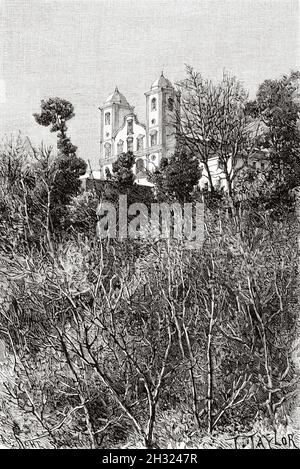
{"points": [[81, 49]]}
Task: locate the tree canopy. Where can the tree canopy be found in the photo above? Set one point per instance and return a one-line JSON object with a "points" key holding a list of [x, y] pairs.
{"points": [[177, 176], [277, 106], [63, 173]]}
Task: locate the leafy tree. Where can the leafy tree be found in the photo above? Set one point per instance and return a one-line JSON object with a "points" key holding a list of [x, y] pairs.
{"points": [[54, 113], [122, 175], [177, 176], [63, 176], [277, 106], [121, 181]]}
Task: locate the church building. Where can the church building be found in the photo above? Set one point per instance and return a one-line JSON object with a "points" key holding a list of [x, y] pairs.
{"points": [[121, 131]]}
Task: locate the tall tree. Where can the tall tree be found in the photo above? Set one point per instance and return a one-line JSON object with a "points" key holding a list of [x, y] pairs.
{"points": [[277, 105], [122, 171], [177, 176], [54, 113], [63, 181], [121, 180], [213, 123]]}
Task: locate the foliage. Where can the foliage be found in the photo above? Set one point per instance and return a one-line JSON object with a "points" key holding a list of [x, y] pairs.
{"points": [[83, 212], [176, 177], [213, 123], [122, 182], [277, 107], [63, 182], [144, 342], [122, 174], [54, 113], [110, 346]]}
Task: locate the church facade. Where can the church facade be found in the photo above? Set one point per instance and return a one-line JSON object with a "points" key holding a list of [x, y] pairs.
{"points": [[121, 131]]}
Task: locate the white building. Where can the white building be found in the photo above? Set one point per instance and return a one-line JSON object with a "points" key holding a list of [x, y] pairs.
{"points": [[121, 131]]}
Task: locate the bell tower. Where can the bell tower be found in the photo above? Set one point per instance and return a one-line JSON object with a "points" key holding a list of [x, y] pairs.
{"points": [[113, 111], [161, 104]]}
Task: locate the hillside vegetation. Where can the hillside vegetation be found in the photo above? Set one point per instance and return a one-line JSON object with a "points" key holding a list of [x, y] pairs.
{"points": [[142, 342]]}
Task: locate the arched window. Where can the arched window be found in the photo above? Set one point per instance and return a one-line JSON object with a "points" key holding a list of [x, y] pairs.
{"points": [[120, 146], [130, 144], [140, 165], [153, 138], [153, 104], [107, 118], [171, 104], [130, 126], [153, 121], [140, 142], [107, 148]]}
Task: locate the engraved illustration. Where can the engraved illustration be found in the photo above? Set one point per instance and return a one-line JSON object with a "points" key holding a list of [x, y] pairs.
{"points": [[149, 226]]}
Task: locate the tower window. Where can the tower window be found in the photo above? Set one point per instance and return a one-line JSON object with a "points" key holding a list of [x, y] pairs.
{"points": [[107, 118], [107, 148], [120, 147], [153, 139], [171, 104], [140, 165], [153, 104], [129, 126], [140, 142], [153, 122], [130, 144]]}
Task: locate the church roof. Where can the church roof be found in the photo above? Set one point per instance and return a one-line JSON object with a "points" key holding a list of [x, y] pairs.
{"points": [[117, 98], [161, 82]]}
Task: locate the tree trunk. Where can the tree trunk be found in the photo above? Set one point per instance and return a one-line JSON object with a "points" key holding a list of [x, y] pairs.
{"points": [[151, 422], [211, 186], [192, 362], [267, 365], [89, 424], [209, 395]]}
